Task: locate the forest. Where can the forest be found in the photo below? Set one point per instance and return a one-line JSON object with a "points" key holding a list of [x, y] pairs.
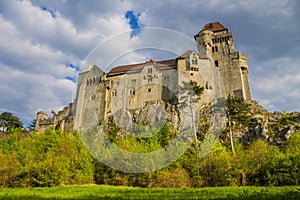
{"points": [[56, 158]]}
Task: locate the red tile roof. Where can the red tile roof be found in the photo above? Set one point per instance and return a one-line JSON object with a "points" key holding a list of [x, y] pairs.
{"points": [[139, 66], [214, 27]]}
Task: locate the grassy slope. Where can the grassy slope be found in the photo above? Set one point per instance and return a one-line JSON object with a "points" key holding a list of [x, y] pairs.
{"points": [[113, 192]]}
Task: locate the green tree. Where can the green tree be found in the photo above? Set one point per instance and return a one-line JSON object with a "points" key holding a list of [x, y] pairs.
{"points": [[32, 125], [190, 95], [11, 121], [238, 112]]}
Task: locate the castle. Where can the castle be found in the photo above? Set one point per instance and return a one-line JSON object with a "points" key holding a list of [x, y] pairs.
{"points": [[132, 87]]}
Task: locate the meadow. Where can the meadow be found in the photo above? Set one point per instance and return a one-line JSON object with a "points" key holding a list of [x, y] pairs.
{"points": [[121, 192]]}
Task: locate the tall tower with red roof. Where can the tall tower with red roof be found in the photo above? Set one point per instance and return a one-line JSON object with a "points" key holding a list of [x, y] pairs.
{"points": [[217, 43]]}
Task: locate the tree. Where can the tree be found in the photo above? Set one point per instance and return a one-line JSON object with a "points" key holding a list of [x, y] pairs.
{"points": [[32, 125], [191, 94], [11, 121], [237, 112]]}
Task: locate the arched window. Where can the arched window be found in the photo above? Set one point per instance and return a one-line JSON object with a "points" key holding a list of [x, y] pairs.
{"points": [[114, 93], [194, 61]]}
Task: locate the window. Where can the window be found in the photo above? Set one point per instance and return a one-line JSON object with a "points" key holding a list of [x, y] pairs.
{"points": [[150, 80], [165, 87], [194, 61], [114, 93], [133, 81], [206, 85], [166, 78], [216, 63], [93, 97], [132, 91], [149, 89], [87, 82], [149, 70], [213, 49], [192, 74], [216, 48]]}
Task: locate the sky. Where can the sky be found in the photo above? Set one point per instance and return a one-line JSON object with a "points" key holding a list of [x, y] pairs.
{"points": [[43, 44]]}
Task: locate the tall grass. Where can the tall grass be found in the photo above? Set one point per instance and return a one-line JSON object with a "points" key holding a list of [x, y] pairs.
{"points": [[114, 192]]}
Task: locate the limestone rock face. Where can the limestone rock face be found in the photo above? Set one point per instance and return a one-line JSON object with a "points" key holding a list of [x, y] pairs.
{"points": [[151, 116], [275, 128]]}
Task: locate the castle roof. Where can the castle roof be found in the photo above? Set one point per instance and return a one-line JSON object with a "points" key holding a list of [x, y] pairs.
{"points": [[159, 64], [214, 27], [139, 66]]}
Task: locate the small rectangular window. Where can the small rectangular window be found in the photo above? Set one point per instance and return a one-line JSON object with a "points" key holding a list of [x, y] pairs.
{"points": [[165, 87], [149, 89], [216, 63], [194, 61], [132, 91], [133, 81], [150, 80], [149, 70]]}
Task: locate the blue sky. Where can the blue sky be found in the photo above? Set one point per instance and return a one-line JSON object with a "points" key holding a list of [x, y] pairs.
{"points": [[44, 43], [133, 20]]}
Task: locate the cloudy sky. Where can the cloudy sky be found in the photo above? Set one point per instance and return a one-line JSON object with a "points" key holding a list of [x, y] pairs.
{"points": [[44, 43]]}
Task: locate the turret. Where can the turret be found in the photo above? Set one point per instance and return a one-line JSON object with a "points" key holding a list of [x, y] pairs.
{"points": [[40, 116]]}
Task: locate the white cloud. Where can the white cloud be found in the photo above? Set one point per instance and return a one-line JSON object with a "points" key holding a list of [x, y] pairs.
{"points": [[277, 84], [35, 47]]}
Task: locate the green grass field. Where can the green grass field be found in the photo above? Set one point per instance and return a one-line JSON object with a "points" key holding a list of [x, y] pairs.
{"points": [[113, 192]]}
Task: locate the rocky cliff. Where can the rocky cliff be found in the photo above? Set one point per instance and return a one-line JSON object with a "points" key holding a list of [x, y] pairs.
{"points": [[249, 121]]}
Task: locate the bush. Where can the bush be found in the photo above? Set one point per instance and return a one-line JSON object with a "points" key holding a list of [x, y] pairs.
{"points": [[46, 159]]}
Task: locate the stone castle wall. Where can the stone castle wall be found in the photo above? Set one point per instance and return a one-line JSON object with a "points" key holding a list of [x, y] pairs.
{"points": [[218, 68]]}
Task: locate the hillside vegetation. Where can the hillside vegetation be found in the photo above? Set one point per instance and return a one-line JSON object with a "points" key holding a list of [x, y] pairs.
{"points": [[265, 152]]}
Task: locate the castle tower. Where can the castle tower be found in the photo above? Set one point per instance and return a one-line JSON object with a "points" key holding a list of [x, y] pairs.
{"points": [[85, 104], [40, 116], [217, 43]]}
